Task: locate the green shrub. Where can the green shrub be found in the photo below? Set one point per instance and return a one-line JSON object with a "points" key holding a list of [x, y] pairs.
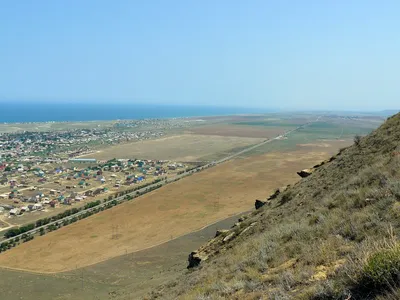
{"points": [[357, 140], [382, 268]]}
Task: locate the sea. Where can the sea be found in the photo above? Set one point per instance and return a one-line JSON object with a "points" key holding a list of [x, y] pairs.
{"points": [[18, 112]]}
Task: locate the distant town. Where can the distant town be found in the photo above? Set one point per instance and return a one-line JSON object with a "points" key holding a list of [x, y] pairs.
{"points": [[41, 171]]}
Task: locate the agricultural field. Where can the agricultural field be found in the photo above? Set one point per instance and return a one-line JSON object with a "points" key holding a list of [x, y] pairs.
{"points": [[210, 139], [183, 148], [327, 131], [178, 208], [123, 277], [226, 130]]}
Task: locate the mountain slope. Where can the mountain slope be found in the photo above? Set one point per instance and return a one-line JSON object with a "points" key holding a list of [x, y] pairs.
{"points": [[332, 235]]}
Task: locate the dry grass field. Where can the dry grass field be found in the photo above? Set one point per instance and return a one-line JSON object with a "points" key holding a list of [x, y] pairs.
{"points": [[124, 277], [184, 147], [239, 131], [172, 211]]}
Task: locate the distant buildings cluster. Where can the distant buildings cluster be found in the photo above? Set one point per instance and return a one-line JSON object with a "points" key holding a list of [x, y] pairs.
{"points": [[72, 184]]}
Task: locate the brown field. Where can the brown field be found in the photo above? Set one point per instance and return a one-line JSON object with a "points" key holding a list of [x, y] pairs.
{"points": [[330, 146], [184, 147], [125, 277], [172, 211], [239, 131]]}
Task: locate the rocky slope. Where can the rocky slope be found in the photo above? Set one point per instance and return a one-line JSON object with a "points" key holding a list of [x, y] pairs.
{"points": [[332, 235]]}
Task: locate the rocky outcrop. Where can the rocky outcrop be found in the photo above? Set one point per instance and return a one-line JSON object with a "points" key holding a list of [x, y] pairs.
{"points": [[258, 204], [195, 258], [223, 237], [274, 195], [305, 173], [220, 242], [221, 231], [229, 237], [319, 165], [248, 228], [332, 158]]}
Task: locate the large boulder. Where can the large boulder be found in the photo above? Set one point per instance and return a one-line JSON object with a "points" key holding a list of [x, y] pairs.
{"points": [[305, 173], [258, 204], [195, 258]]}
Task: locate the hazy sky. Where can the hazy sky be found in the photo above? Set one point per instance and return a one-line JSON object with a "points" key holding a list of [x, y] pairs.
{"points": [[288, 54]]}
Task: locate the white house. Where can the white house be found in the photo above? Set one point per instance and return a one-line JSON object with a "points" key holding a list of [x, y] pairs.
{"points": [[14, 212]]}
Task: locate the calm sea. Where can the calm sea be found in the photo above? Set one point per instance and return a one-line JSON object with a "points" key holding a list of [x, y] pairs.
{"points": [[43, 112]]}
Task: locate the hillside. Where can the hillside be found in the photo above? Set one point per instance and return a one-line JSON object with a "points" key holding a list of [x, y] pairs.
{"points": [[332, 235]]}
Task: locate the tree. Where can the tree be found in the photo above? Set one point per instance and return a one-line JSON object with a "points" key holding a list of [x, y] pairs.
{"points": [[51, 227], [12, 232]]}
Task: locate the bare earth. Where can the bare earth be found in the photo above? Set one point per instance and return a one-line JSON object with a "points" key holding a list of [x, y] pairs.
{"points": [[164, 214], [184, 147]]}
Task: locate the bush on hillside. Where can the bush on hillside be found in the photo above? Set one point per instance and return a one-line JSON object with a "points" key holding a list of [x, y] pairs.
{"points": [[382, 268], [357, 140]]}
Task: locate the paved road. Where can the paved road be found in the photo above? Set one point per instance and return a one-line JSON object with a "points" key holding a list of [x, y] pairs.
{"points": [[175, 178]]}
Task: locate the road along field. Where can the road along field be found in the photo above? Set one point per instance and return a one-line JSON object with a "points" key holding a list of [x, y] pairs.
{"points": [[184, 148], [171, 211]]}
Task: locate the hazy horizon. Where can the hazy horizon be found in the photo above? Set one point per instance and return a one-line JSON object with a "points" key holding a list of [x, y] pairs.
{"points": [[216, 105], [308, 55], [105, 102]]}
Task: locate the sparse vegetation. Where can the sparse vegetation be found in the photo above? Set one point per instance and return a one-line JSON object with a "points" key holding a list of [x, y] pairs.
{"points": [[325, 237]]}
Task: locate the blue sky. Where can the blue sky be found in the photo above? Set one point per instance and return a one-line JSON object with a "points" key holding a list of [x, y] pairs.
{"points": [[282, 54]]}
